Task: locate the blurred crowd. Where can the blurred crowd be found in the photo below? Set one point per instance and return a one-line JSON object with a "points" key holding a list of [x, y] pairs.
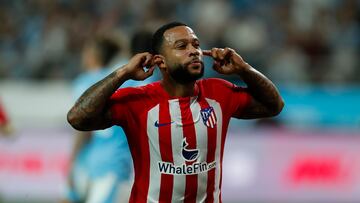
{"points": [[291, 41]]}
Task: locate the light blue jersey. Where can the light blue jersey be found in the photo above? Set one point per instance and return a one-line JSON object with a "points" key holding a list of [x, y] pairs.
{"points": [[102, 168], [108, 149]]}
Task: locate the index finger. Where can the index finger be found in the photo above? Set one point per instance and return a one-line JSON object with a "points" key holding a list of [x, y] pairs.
{"points": [[207, 52]]}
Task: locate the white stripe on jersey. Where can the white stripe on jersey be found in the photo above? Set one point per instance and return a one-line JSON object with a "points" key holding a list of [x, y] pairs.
{"points": [[202, 145], [176, 141], [155, 157], [218, 114]]}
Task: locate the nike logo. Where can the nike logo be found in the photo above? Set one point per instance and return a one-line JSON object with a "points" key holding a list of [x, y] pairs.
{"points": [[157, 124]]}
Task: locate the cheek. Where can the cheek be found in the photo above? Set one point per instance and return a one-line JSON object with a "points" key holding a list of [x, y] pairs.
{"points": [[174, 58], [182, 54], [180, 57]]}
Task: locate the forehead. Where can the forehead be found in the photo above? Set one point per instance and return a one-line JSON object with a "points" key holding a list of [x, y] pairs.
{"points": [[179, 33]]}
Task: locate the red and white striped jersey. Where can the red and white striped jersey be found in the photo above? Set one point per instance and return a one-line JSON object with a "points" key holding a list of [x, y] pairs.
{"points": [[177, 144]]}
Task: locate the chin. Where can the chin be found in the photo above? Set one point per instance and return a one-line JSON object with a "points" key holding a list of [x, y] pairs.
{"points": [[196, 70], [198, 73], [197, 76]]}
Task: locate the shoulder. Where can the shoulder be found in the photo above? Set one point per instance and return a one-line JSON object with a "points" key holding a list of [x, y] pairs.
{"points": [[214, 81], [134, 92], [218, 84]]}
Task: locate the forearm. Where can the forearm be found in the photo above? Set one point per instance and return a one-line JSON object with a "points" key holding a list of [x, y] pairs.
{"points": [[91, 106], [261, 88]]}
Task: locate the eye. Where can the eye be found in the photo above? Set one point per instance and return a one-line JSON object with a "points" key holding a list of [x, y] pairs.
{"points": [[181, 46], [196, 44]]}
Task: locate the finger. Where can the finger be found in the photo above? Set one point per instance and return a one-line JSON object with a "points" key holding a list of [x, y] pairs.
{"points": [[148, 60], [140, 59], [227, 53], [214, 53], [222, 69], [207, 52], [217, 67], [220, 53], [233, 56], [211, 53], [142, 55]]}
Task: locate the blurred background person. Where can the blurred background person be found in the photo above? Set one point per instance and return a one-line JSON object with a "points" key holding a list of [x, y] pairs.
{"points": [[100, 162]]}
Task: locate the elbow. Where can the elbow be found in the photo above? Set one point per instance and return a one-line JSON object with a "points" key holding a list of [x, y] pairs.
{"points": [[74, 120], [278, 107]]}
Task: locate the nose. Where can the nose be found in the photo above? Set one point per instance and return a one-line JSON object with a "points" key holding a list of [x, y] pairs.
{"points": [[194, 51]]}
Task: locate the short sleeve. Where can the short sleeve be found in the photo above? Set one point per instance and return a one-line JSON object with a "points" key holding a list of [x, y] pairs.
{"points": [[120, 104], [240, 100], [234, 99]]}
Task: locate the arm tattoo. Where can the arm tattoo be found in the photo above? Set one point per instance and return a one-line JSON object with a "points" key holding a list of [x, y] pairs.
{"points": [[268, 100], [89, 111]]}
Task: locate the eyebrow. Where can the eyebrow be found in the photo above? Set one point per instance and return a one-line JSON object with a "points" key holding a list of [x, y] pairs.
{"points": [[187, 40]]}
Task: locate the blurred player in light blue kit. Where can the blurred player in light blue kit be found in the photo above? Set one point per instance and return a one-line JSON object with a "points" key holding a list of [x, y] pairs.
{"points": [[101, 164]]}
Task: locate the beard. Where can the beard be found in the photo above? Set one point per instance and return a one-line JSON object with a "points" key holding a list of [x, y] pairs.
{"points": [[182, 75]]}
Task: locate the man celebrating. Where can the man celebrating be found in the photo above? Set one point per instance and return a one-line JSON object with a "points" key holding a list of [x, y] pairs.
{"points": [[176, 127]]}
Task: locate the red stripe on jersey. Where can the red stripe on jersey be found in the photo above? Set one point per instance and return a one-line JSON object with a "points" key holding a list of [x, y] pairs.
{"points": [[190, 135], [223, 138], [141, 159], [225, 126], [210, 155], [3, 118], [167, 180]]}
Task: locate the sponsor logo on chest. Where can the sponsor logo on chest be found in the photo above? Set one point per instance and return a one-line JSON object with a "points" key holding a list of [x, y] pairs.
{"points": [[190, 155]]}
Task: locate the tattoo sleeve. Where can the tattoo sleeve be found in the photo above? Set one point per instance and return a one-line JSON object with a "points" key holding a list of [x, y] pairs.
{"points": [[90, 111], [267, 100]]}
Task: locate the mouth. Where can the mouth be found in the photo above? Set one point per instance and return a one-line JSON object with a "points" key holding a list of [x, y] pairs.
{"points": [[196, 63]]}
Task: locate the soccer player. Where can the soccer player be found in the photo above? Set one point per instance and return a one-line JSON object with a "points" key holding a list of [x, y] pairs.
{"points": [[176, 127]]}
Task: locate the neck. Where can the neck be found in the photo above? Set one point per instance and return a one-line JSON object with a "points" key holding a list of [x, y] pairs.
{"points": [[175, 89]]}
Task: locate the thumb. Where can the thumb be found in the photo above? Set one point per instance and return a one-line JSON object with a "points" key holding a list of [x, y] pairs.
{"points": [[217, 67]]}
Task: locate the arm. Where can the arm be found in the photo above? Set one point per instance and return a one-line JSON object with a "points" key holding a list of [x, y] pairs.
{"points": [[266, 100], [91, 111], [81, 139]]}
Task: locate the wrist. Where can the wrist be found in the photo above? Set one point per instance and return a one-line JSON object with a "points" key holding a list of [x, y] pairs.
{"points": [[123, 73], [242, 68]]}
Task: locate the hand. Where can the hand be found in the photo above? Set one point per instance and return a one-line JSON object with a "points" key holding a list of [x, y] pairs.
{"points": [[135, 67], [226, 61]]}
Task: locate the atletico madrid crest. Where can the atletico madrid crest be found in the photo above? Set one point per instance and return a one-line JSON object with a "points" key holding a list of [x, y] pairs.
{"points": [[208, 116]]}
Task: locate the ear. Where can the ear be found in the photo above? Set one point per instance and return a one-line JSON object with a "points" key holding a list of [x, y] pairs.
{"points": [[159, 60]]}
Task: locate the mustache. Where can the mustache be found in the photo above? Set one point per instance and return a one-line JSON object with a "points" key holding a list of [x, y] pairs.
{"points": [[195, 60]]}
